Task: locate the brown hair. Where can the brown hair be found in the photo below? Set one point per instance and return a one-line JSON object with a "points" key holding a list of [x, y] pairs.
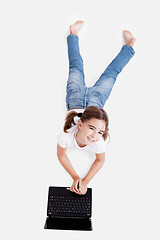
{"points": [[89, 113]]}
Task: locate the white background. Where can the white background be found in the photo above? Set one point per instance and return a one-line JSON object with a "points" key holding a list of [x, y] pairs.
{"points": [[33, 75]]}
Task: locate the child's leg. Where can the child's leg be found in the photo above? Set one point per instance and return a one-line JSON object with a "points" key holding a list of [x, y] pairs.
{"points": [[76, 73], [116, 66], [102, 88], [75, 83]]}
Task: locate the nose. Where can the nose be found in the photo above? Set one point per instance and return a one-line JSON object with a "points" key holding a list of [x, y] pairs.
{"points": [[93, 135]]}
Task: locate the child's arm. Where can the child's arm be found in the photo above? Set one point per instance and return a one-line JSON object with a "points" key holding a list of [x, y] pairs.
{"points": [[96, 166], [62, 156]]}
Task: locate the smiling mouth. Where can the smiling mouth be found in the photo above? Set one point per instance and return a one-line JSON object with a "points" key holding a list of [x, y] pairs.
{"points": [[90, 139]]}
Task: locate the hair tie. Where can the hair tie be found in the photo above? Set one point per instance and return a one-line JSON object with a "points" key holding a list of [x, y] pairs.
{"points": [[79, 115]]}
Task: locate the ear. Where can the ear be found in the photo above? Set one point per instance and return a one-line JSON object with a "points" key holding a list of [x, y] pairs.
{"points": [[79, 123]]}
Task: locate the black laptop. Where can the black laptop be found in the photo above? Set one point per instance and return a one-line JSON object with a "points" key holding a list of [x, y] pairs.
{"points": [[69, 211]]}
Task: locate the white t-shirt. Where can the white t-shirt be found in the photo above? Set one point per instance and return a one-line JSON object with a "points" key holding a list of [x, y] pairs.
{"points": [[68, 140]]}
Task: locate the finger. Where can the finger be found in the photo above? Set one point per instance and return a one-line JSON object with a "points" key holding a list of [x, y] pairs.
{"points": [[74, 190], [80, 185], [76, 186], [84, 191], [81, 192]]}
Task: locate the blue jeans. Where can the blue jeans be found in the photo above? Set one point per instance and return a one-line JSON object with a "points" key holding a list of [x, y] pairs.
{"points": [[80, 96]]}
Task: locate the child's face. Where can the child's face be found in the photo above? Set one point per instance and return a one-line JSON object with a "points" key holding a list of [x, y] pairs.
{"points": [[90, 131]]}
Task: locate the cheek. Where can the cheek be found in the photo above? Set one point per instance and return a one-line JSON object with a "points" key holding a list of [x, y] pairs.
{"points": [[99, 136], [84, 131], [87, 132]]}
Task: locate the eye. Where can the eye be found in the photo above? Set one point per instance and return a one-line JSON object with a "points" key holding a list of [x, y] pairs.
{"points": [[91, 128], [100, 133]]}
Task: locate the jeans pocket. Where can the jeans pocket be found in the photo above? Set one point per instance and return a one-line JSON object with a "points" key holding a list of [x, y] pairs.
{"points": [[99, 97], [72, 93]]}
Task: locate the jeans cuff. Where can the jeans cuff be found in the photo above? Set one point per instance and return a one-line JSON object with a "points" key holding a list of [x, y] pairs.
{"points": [[72, 35], [129, 47]]}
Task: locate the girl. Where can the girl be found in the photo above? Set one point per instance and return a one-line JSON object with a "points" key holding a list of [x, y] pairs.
{"points": [[86, 125]]}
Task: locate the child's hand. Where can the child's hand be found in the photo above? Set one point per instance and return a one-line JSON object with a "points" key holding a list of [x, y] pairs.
{"points": [[76, 186], [83, 188], [79, 186]]}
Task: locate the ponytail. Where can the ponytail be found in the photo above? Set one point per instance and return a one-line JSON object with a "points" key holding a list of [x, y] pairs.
{"points": [[69, 121]]}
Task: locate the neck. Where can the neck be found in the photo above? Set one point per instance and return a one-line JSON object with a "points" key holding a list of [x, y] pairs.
{"points": [[80, 144]]}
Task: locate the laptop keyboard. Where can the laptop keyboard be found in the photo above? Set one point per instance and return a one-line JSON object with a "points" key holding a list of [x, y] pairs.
{"points": [[68, 205]]}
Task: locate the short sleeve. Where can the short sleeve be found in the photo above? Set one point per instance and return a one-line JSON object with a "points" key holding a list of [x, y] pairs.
{"points": [[62, 139], [100, 147]]}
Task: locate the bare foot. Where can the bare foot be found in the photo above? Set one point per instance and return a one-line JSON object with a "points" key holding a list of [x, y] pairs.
{"points": [[128, 37], [75, 28]]}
